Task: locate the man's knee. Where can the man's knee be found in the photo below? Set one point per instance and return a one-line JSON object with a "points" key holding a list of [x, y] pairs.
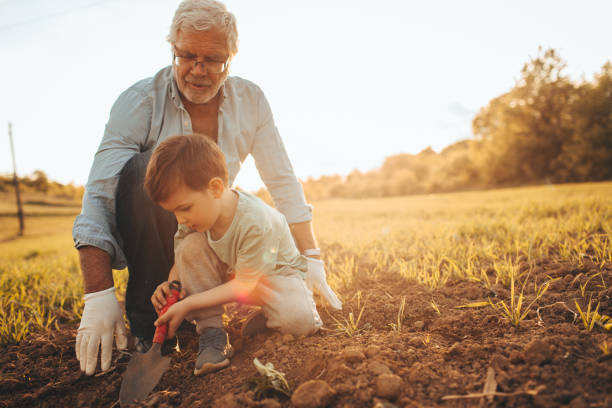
{"points": [[130, 195], [135, 168], [299, 318], [299, 324]]}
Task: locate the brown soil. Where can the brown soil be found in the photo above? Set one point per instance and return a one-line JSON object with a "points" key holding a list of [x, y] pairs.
{"points": [[549, 361]]}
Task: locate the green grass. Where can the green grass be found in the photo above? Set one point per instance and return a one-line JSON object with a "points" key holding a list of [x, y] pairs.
{"points": [[40, 279], [491, 237], [436, 238]]}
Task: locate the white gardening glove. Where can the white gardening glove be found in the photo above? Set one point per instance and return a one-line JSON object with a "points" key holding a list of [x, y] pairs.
{"points": [[102, 317], [317, 282]]}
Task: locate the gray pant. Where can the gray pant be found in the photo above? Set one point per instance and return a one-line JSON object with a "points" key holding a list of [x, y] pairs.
{"points": [[285, 300]]}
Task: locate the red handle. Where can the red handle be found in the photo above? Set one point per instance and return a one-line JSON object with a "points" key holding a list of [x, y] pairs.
{"points": [[172, 298]]}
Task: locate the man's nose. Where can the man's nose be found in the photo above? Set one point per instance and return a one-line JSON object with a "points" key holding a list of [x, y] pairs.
{"points": [[199, 68]]}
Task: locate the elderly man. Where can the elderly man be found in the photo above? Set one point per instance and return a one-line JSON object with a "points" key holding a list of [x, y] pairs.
{"points": [[119, 225]]}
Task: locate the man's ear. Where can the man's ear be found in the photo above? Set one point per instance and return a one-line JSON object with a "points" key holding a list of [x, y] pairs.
{"points": [[217, 186]]}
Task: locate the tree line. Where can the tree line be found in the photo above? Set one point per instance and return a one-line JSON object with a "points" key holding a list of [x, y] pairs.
{"points": [[38, 182], [547, 129]]}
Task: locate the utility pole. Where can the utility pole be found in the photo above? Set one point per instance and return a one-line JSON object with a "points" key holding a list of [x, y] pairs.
{"points": [[16, 181]]}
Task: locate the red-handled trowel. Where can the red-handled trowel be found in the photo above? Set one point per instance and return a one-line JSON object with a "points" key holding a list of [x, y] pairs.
{"points": [[145, 369]]}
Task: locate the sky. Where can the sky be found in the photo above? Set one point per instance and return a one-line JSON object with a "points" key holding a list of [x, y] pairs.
{"points": [[349, 82]]}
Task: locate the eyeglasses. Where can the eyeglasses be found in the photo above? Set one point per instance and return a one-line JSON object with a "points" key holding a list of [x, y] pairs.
{"points": [[211, 65]]}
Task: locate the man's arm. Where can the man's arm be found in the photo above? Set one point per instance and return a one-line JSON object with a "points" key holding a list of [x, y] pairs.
{"points": [[304, 237], [276, 171], [96, 269], [94, 232], [316, 278], [125, 133], [102, 317]]}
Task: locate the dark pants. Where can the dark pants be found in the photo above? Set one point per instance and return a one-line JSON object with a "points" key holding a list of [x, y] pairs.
{"points": [[147, 232]]}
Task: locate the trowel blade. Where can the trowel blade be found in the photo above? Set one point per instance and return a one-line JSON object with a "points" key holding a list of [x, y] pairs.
{"points": [[142, 374]]}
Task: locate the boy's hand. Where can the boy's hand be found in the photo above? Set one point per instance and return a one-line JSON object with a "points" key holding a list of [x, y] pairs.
{"points": [[161, 293], [174, 316]]}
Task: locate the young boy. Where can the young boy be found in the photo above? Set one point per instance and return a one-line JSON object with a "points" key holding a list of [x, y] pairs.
{"points": [[224, 232]]}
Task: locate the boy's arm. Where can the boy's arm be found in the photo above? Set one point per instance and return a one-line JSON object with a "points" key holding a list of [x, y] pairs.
{"points": [[234, 290], [173, 275]]}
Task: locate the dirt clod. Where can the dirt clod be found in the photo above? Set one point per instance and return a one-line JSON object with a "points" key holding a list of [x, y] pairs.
{"points": [[378, 403], [416, 342], [419, 324], [388, 386], [372, 351], [352, 355], [269, 403], [47, 350], [227, 401], [516, 357], [312, 394], [378, 368], [578, 402], [537, 352], [499, 362]]}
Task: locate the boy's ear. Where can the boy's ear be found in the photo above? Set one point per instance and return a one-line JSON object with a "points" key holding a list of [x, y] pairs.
{"points": [[217, 186]]}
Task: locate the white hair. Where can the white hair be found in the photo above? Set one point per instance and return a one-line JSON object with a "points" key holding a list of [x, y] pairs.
{"points": [[203, 15]]}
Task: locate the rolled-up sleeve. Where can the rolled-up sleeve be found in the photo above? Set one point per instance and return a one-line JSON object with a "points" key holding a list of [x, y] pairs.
{"points": [[127, 129], [275, 168]]}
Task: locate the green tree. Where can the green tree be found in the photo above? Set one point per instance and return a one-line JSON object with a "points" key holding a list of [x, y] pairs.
{"points": [[524, 130], [40, 181], [588, 154]]}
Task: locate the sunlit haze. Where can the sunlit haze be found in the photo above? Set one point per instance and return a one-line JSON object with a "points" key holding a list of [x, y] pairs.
{"points": [[349, 82]]}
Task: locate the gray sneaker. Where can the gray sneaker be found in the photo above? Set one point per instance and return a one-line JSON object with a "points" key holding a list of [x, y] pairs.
{"points": [[214, 351]]}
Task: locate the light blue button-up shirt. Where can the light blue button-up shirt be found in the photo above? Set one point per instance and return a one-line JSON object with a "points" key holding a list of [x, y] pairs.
{"points": [[150, 111]]}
